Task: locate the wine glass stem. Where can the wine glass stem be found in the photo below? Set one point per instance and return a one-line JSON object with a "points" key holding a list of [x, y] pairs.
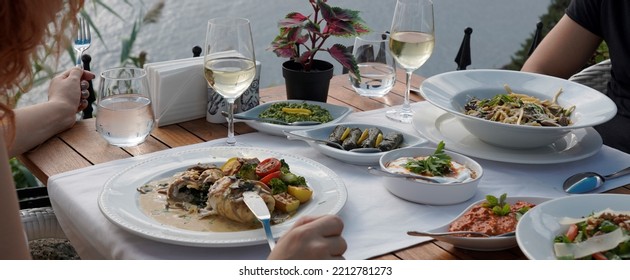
{"points": [[406, 107], [230, 137]]}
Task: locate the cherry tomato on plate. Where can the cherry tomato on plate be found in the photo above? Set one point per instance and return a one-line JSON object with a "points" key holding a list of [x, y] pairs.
{"points": [[275, 174], [267, 167]]}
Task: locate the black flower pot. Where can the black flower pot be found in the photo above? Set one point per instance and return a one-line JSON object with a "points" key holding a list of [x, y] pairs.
{"points": [[312, 85]]}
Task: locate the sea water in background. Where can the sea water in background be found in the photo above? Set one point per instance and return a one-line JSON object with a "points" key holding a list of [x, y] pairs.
{"points": [[499, 29]]}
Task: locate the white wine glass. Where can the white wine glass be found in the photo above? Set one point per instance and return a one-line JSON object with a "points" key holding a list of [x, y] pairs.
{"points": [[411, 44], [229, 62]]}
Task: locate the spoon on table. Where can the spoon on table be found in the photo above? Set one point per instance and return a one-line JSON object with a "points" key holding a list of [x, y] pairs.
{"points": [[291, 136], [481, 234], [378, 171], [588, 181], [269, 120]]}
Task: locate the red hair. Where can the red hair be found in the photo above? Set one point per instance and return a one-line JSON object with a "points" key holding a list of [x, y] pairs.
{"points": [[25, 28]]}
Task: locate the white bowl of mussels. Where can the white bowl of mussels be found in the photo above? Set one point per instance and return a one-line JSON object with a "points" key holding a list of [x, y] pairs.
{"points": [[351, 135], [455, 177]]}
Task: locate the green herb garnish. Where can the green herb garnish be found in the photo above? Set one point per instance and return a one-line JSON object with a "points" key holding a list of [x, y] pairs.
{"points": [[498, 205], [501, 208], [437, 164]]}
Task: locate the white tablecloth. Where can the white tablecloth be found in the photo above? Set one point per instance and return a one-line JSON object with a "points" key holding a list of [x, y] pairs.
{"points": [[376, 221]]}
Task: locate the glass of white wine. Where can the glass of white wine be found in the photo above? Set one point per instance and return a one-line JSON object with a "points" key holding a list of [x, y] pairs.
{"points": [[229, 62], [411, 44]]}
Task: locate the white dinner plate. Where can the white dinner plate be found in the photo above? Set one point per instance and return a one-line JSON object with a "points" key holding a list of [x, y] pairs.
{"points": [[437, 125], [118, 200], [323, 132], [484, 243], [540, 225], [337, 112]]}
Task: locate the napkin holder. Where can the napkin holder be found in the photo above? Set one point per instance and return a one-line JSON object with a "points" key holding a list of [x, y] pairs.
{"points": [[177, 89]]}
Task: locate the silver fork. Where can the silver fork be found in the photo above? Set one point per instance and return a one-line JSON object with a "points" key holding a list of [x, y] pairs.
{"points": [[83, 40]]}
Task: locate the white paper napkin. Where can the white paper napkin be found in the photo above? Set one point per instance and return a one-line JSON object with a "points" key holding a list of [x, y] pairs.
{"points": [[178, 90]]}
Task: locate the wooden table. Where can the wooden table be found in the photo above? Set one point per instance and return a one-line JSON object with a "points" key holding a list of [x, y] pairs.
{"points": [[82, 146]]}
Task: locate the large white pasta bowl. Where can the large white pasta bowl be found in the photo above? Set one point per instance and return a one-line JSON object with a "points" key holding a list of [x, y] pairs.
{"points": [[450, 91]]}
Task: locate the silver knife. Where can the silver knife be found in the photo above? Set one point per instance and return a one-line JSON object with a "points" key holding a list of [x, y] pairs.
{"points": [[257, 205]]}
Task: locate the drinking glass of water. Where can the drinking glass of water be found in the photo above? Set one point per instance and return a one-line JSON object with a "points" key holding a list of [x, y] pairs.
{"points": [[124, 116], [377, 67]]}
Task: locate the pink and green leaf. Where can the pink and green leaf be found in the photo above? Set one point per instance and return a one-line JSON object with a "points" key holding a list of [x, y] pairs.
{"points": [[360, 28], [292, 20], [326, 11], [305, 57], [297, 29], [312, 27], [339, 28], [294, 35], [285, 51], [346, 14], [345, 58]]}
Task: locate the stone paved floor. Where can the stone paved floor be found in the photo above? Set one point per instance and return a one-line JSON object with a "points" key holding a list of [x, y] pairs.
{"points": [[52, 249]]}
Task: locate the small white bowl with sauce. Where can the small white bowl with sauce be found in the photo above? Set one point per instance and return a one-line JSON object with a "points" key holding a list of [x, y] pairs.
{"points": [[452, 191]]}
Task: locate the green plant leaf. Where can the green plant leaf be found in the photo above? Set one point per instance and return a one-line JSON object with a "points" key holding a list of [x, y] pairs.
{"points": [[22, 177], [154, 14], [313, 28], [338, 23], [292, 20], [294, 36], [108, 8], [361, 28], [340, 28], [127, 43], [345, 58]]}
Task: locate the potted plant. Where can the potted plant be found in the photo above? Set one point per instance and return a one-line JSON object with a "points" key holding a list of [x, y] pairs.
{"points": [[308, 78]]}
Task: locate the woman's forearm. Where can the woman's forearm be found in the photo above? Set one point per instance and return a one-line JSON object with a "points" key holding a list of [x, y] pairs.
{"points": [[36, 123]]}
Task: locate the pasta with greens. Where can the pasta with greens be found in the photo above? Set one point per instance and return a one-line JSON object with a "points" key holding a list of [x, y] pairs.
{"points": [[520, 109]]}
